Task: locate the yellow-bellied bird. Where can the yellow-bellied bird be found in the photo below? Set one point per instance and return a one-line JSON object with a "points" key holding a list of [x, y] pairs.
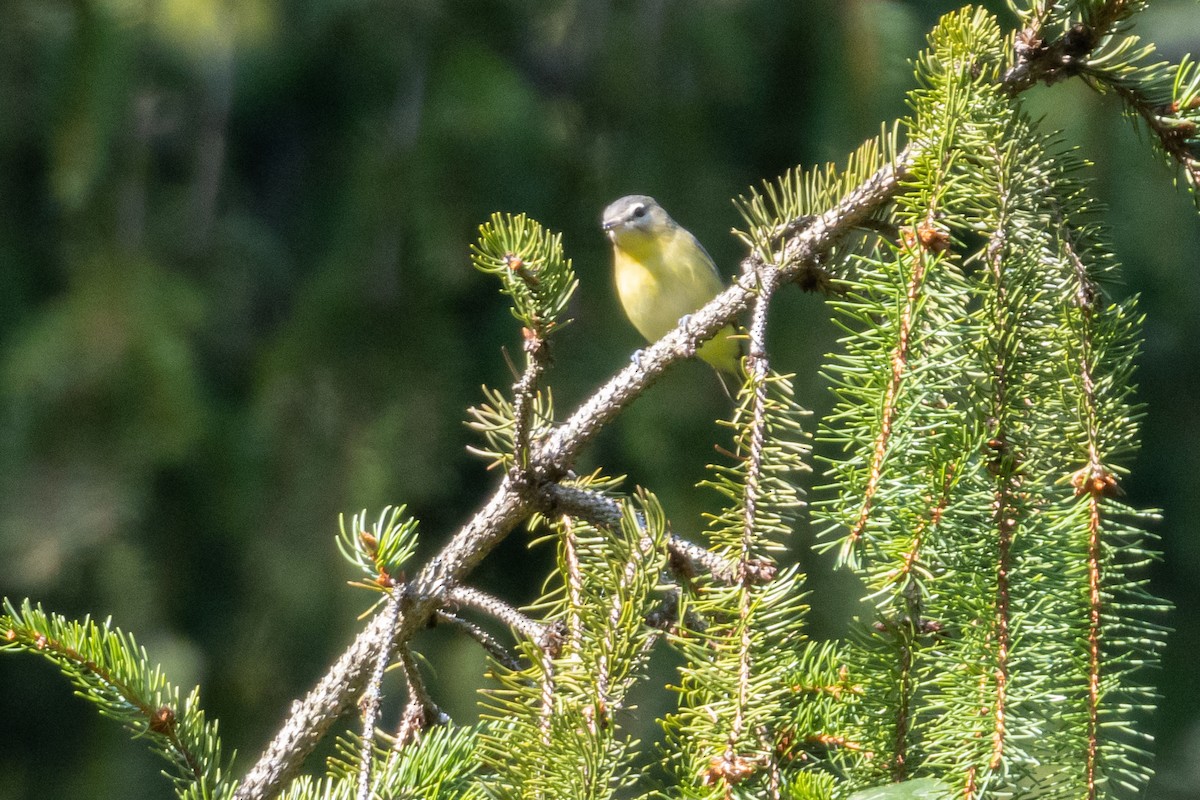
{"points": [[663, 274]]}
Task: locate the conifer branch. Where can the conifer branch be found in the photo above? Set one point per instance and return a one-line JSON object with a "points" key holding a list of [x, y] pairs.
{"points": [[1006, 514], [1095, 481], [1176, 132], [732, 729], [489, 643], [372, 697], [609, 671], [420, 712], [468, 597], [1037, 58], [985, 444], [806, 239], [899, 362], [904, 706], [112, 671], [911, 624], [758, 369], [686, 558], [551, 459], [555, 729], [336, 692], [524, 399], [1089, 49]]}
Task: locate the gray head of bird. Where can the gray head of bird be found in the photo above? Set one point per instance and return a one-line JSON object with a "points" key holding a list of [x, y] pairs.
{"points": [[634, 215]]}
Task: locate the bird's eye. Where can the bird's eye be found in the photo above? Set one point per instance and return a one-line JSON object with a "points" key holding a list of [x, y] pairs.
{"points": [[639, 211]]}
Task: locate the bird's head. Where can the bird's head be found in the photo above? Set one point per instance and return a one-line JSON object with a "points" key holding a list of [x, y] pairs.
{"points": [[635, 216]]}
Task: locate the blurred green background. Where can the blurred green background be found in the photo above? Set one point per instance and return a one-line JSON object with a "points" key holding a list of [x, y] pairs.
{"points": [[235, 301]]}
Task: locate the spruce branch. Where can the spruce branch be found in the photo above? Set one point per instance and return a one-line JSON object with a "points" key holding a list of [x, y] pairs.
{"points": [[379, 550], [468, 597], [373, 697], [1101, 380], [113, 672], [420, 712], [1058, 40], [533, 271], [552, 457], [1007, 500], [1162, 96], [556, 726], [759, 371], [1001, 437], [1095, 481], [752, 485], [899, 368], [983, 415], [489, 643], [1174, 121], [529, 262], [685, 558], [729, 733], [311, 717], [795, 247], [525, 399], [897, 415]]}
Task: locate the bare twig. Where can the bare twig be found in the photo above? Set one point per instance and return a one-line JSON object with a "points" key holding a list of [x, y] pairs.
{"points": [[420, 712], [373, 697], [586, 504], [524, 394], [534, 631], [489, 643]]}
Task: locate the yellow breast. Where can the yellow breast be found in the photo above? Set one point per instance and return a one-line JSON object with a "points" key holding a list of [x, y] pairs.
{"points": [[661, 279]]}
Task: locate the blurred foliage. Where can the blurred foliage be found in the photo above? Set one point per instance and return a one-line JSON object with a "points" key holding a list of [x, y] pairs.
{"points": [[236, 300]]}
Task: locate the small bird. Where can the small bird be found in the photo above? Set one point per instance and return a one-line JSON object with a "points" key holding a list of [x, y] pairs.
{"points": [[663, 274]]}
